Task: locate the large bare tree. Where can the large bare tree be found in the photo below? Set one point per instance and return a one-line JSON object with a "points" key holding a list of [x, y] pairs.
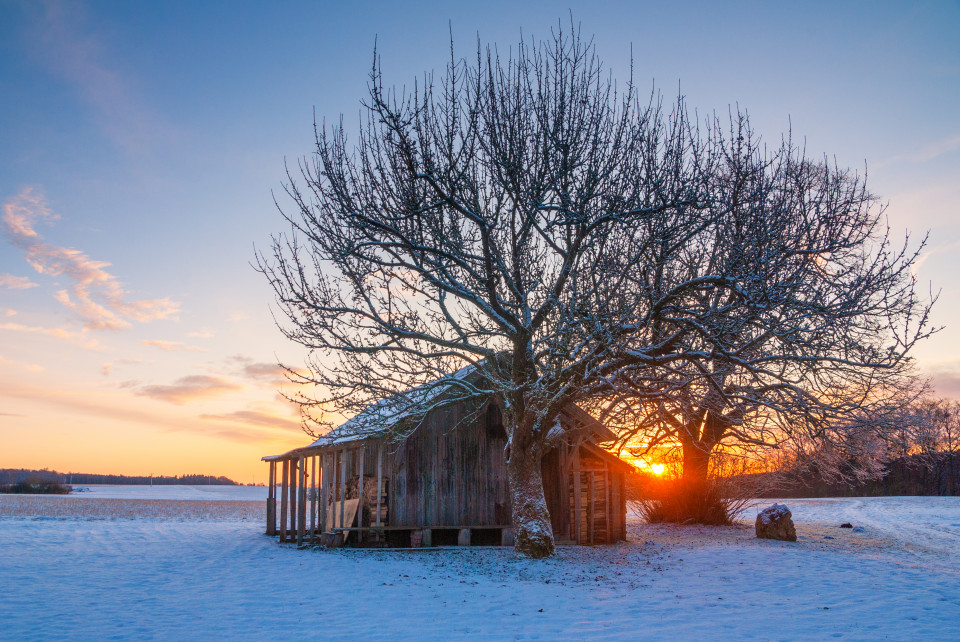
{"points": [[497, 219], [790, 317]]}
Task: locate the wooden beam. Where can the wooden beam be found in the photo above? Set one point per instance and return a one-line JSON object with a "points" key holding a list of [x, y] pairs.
{"points": [[577, 499], [312, 496], [379, 477], [606, 480], [324, 482], [272, 499], [283, 500], [590, 506], [343, 486], [302, 506], [292, 489], [360, 495]]}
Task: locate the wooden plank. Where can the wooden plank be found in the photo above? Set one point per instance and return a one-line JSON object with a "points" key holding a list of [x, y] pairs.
{"points": [[577, 501], [343, 486], [350, 506], [292, 488], [272, 500], [324, 482], [379, 477], [301, 500], [606, 479], [360, 494], [283, 500], [313, 498], [590, 516]]}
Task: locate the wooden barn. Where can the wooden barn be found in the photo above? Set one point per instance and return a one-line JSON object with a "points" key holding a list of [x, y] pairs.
{"points": [[444, 484]]}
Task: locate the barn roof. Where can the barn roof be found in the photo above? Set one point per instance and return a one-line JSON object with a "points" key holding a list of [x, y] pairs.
{"points": [[378, 419]]}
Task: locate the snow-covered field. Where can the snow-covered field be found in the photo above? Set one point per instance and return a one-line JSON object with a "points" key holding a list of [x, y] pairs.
{"points": [[173, 563]]}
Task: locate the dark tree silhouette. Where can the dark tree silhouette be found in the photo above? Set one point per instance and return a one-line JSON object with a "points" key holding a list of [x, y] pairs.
{"points": [[793, 315], [496, 220]]}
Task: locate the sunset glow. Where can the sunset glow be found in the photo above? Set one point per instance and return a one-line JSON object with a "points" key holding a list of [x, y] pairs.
{"points": [[144, 145], [647, 467]]}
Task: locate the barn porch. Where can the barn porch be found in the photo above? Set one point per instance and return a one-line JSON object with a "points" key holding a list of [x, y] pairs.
{"points": [[353, 483], [340, 494]]}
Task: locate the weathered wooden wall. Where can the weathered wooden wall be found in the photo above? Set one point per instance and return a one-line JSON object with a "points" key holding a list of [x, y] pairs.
{"points": [[450, 473]]}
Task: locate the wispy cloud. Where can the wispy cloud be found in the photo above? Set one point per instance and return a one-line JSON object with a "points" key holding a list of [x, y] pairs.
{"points": [[264, 371], [171, 346], [915, 268], [21, 365], [106, 368], [200, 335], [16, 282], [926, 153], [94, 295], [71, 50], [76, 338], [253, 417], [190, 388]]}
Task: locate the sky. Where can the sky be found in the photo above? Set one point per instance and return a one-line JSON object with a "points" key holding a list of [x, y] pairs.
{"points": [[142, 145]]}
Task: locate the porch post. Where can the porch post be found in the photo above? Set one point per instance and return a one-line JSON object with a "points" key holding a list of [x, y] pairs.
{"points": [[284, 478], [313, 497], [292, 490], [324, 483], [379, 477], [360, 495], [302, 497], [343, 486], [272, 499]]}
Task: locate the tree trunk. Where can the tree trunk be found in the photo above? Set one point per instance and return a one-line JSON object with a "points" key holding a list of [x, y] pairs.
{"points": [[533, 533], [696, 461]]}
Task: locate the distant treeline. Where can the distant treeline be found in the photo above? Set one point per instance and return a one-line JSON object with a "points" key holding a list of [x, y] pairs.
{"points": [[36, 487], [17, 475], [914, 475]]}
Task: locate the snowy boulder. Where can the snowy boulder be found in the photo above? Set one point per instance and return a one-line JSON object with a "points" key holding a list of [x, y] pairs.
{"points": [[776, 522]]}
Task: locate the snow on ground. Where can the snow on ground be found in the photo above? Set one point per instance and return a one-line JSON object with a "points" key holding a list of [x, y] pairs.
{"points": [[210, 572], [185, 493]]}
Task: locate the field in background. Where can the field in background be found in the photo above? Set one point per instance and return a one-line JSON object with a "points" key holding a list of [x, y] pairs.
{"points": [[191, 562]]}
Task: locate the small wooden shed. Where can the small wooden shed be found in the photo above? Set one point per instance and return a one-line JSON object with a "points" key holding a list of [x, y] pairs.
{"points": [[444, 484]]}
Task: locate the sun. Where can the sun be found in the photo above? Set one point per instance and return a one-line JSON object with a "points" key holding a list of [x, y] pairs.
{"points": [[647, 467]]}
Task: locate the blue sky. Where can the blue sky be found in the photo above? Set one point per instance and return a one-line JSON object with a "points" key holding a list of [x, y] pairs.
{"points": [[151, 136]]}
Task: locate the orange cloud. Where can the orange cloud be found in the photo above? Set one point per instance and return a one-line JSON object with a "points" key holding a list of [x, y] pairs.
{"points": [[16, 282], [95, 295], [252, 417], [77, 338], [190, 388], [32, 367], [171, 346], [269, 371]]}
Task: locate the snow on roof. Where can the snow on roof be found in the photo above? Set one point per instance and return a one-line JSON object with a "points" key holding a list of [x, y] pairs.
{"points": [[380, 417]]}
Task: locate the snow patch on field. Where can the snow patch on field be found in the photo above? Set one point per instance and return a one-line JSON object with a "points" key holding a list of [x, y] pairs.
{"points": [[183, 493], [204, 574]]}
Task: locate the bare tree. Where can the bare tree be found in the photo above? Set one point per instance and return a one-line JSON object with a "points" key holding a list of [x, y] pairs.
{"points": [[931, 442], [495, 220], [790, 319]]}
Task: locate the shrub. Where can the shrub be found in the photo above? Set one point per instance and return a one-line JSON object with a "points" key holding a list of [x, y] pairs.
{"points": [[714, 501], [36, 487]]}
